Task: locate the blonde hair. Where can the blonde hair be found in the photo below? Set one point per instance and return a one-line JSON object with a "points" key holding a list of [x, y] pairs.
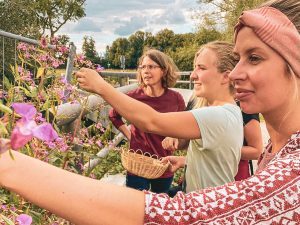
{"points": [[226, 61], [171, 73]]}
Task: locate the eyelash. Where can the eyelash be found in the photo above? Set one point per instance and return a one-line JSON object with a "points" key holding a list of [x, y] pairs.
{"points": [[200, 68], [254, 59]]}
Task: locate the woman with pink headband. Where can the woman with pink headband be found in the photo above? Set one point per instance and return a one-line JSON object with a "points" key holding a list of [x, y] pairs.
{"points": [[266, 79]]}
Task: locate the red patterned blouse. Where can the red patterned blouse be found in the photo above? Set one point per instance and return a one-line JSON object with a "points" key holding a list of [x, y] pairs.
{"points": [[271, 196]]}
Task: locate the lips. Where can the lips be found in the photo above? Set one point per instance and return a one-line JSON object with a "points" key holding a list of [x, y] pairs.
{"points": [[243, 94]]}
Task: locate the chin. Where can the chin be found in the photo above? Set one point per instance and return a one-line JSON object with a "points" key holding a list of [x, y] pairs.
{"points": [[247, 108], [198, 93]]}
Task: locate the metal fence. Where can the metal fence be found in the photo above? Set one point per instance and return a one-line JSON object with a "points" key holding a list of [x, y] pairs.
{"points": [[10, 41]]}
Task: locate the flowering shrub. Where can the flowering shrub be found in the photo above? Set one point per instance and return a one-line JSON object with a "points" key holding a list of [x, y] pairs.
{"points": [[28, 123]]}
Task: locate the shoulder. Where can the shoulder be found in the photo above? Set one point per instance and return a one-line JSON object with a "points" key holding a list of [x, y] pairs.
{"points": [[227, 109], [173, 94], [227, 115], [136, 92]]}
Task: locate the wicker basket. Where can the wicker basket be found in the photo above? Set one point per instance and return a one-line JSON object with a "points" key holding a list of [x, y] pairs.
{"points": [[142, 164]]}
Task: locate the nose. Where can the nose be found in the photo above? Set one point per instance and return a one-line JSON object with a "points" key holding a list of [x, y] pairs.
{"points": [[194, 75], [238, 72]]}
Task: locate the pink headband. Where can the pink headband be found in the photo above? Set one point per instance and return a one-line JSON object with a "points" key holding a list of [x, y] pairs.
{"points": [[276, 30]]}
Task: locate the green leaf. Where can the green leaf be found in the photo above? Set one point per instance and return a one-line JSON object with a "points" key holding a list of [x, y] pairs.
{"points": [[7, 84], [3, 129], [26, 92], [40, 72], [5, 109], [8, 221]]}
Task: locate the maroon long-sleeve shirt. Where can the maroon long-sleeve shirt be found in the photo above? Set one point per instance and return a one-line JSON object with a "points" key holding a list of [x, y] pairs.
{"points": [[170, 101]]}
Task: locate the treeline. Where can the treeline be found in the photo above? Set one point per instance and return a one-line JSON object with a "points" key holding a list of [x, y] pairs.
{"points": [[214, 24], [181, 47]]}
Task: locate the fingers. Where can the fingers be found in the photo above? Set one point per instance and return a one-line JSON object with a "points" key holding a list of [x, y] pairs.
{"points": [[175, 144], [170, 144], [165, 159]]}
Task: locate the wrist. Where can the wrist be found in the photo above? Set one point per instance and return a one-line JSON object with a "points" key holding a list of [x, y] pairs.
{"points": [[101, 87]]}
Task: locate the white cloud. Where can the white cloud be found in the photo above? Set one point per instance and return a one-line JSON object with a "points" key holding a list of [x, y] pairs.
{"points": [[135, 23], [106, 20], [88, 25]]}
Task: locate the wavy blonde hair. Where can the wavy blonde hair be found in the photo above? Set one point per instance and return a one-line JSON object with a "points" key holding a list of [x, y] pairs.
{"points": [[171, 72]]}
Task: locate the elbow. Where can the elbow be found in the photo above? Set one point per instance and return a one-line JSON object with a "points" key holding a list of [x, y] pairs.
{"points": [[258, 152], [147, 125]]}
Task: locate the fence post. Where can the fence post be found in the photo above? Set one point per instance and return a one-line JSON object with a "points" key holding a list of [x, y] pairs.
{"points": [[70, 62]]}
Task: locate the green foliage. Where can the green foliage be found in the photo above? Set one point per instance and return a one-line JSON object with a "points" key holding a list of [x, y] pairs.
{"points": [[32, 18], [20, 19], [178, 175], [89, 50], [53, 14], [180, 47], [120, 46], [225, 13], [184, 57], [110, 164]]}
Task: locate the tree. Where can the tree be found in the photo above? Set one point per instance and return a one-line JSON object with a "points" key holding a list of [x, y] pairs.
{"points": [[163, 40], [120, 46], [136, 47], [89, 49], [15, 17], [53, 14], [225, 13]]}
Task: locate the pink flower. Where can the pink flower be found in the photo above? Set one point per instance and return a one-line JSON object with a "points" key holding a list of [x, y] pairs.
{"points": [[43, 42], [63, 80], [54, 40], [99, 68], [99, 143], [22, 46], [26, 128], [24, 219], [63, 49]]}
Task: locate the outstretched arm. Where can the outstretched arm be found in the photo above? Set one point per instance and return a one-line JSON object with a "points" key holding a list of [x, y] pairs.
{"points": [[179, 124], [78, 199]]}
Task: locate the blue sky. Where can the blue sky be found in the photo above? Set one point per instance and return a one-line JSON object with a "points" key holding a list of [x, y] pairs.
{"points": [[106, 20]]}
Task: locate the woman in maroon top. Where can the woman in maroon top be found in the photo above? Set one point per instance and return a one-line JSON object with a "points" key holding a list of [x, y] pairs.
{"points": [[156, 74]]}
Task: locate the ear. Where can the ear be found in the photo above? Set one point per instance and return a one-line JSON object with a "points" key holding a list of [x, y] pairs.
{"points": [[225, 77]]}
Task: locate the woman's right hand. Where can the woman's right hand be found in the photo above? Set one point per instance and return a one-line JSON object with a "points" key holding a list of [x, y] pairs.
{"points": [[176, 162], [90, 80], [170, 144]]}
